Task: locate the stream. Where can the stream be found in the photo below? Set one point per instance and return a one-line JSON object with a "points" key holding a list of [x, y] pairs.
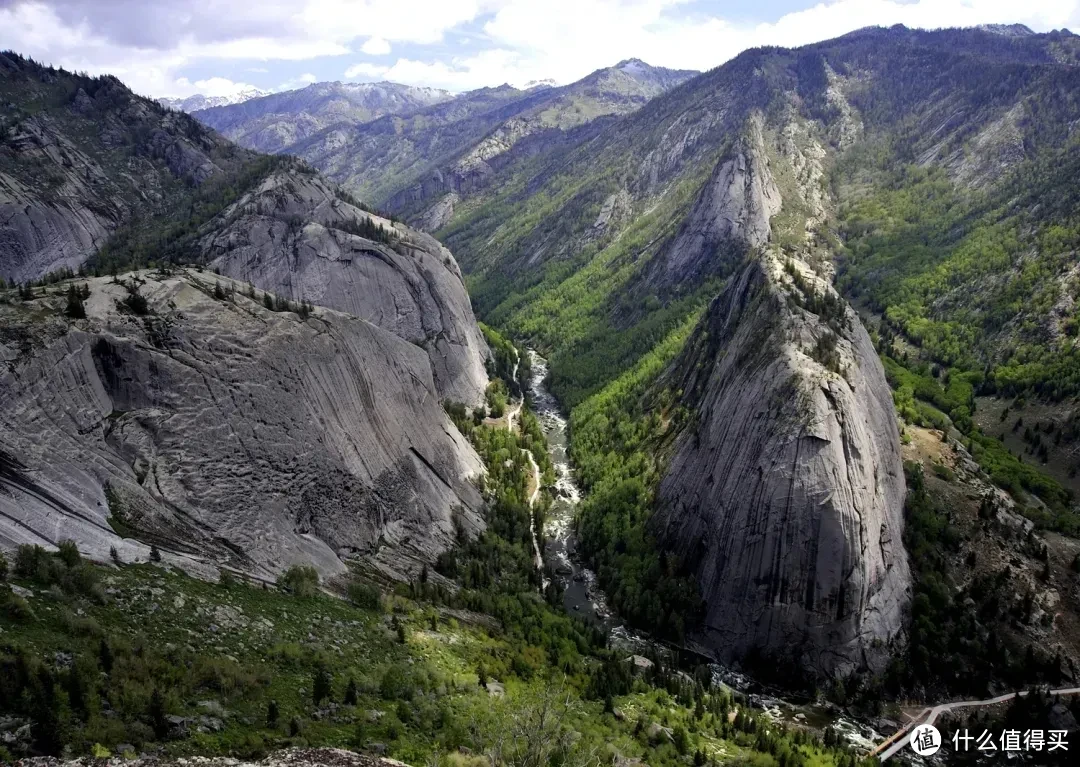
{"points": [[583, 596]]}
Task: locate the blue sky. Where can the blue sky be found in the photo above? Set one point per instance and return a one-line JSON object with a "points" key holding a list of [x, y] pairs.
{"points": [[216, 47]]}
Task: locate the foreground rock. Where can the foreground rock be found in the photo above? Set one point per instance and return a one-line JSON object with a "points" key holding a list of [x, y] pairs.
{"points": [[788, 497], [226, 432], [292, 235], [293, 757]]}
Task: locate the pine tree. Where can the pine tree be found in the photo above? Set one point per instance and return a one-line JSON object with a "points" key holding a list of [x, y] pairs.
{"points": [[322, 684], [105, 656], [155, 555], [75, 309], [272, 714], [158, 721], [352, 695]]}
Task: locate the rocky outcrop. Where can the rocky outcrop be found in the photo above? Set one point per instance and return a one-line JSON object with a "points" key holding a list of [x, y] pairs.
{"points": [[293, 236], [80, 156], [227, 433], [731, 213], [787, 495]]}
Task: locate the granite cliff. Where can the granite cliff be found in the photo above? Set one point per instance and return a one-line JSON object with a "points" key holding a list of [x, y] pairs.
{"points": [[787, 494], [226, 432], [291, 234]]}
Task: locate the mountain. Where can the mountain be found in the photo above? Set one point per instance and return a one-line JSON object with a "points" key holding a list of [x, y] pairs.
{"points": [[81, 156], [227, 423], [275, 122], [199, 101], [293, 235], [226, 432], [414, 163], [687, 267], [91, 175]]}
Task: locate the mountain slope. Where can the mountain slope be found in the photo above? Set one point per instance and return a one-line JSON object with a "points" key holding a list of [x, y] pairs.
{"points": [[80, 156], [226, 432], [91, 174], [274, 122], [602, 253], [408, 163]]}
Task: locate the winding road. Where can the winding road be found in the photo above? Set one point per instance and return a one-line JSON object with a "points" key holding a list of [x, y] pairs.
{"points": [[928, 715]]}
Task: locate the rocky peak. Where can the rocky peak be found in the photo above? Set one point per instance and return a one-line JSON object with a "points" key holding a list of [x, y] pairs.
{"points": [[731, 214], [293, 235], [788, 493]]}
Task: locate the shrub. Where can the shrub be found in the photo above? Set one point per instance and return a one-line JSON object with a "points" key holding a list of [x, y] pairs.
{"points": [[68, 553], [300, 581], [15, 607], [30, 561], [365, 595]]}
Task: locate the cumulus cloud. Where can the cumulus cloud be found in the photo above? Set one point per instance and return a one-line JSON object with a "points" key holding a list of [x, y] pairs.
{"points": [[375, 46], [150, 43], [365, 70], [299, 81]]}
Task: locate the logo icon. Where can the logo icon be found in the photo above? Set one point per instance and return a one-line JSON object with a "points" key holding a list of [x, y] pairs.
{"points": [[925, 740]]}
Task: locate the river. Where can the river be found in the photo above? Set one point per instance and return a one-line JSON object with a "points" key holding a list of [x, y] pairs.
{"points": [[583, 596]]}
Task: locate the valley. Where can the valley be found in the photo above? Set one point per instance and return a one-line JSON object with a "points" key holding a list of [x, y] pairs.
{"points": [[658, 418]]}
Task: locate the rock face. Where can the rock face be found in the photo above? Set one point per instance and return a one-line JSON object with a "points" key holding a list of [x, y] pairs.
{"points": [[293, 236], [787, 498], [226, 432], [732, 212], [79, 156]]}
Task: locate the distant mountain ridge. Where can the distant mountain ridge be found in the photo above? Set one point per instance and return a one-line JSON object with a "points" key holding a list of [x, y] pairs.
{"points": [[419, 163], [274, 122], [200, 101]]}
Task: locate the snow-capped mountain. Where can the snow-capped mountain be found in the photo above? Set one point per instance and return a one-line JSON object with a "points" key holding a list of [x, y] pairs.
{"points": [[199, 101]]}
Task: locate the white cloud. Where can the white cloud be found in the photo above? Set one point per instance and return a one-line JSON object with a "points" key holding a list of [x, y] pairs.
{"points": [[214, 86], [365, 69], [375, 46], [566, 39], [149, 44], [298, 82]]}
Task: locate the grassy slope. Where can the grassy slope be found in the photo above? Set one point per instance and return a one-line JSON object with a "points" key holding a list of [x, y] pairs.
{"points": [[219, 653]]}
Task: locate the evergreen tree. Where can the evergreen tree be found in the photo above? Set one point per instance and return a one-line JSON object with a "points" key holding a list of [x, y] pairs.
{"points": [[75, 309], [272, 714], [157, 714], [322, 684], [351, 693], [105, 656]]}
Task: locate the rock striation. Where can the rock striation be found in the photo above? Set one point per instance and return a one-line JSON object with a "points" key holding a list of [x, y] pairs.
{"points": [[225, 432], [786, 497], [731, 214], [292, 235]]}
